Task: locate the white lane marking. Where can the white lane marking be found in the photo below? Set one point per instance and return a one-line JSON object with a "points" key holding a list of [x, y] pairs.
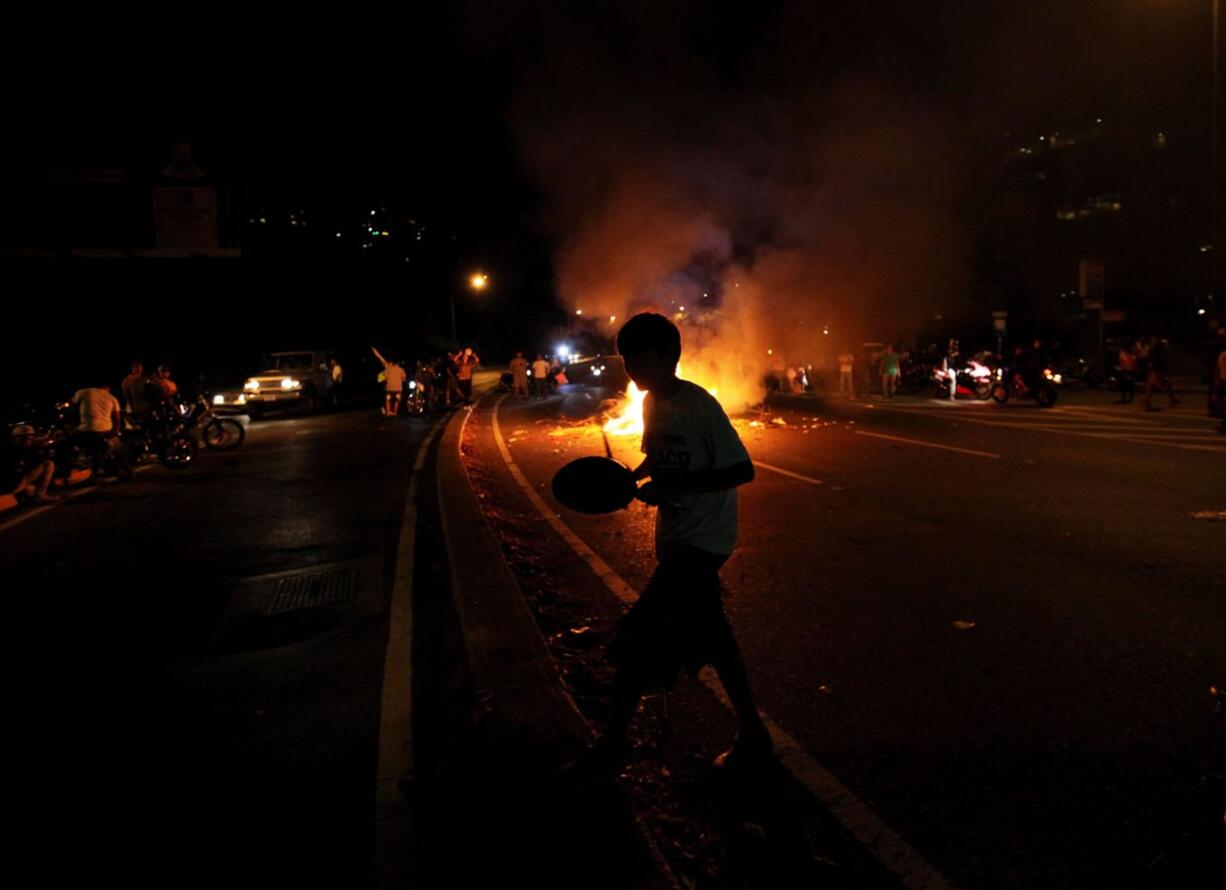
{"points": [[1132, 438], [88, 488], [889, 849], [924, 444], [1043, 426], [783, 472], [395, 762], [612, 580]]}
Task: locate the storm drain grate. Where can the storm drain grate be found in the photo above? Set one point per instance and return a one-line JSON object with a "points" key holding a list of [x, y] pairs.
{"points": [[318, 588]]}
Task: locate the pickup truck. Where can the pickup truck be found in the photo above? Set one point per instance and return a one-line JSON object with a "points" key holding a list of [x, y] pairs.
{"points": [[299, 380]]}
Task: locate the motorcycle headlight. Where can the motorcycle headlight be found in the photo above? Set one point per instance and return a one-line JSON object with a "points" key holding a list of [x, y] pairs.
{"points": [[289, 383], [412, 384], [252, 385]]}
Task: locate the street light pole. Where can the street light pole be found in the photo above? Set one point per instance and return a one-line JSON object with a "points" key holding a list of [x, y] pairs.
{"points": [[1215, 184]]}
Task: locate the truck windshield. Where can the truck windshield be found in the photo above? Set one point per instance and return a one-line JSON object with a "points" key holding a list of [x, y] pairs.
{"points": [[297, 361]]}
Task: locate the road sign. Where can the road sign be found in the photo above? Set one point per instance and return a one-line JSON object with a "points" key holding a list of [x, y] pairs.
{"points": [[1091, 280]]}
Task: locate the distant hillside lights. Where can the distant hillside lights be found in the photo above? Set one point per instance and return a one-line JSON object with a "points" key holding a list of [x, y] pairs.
{"points": [[1095, 204]]}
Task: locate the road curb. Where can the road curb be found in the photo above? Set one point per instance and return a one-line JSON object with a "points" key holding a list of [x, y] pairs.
{"points": [[510, 663], [527, 718]]}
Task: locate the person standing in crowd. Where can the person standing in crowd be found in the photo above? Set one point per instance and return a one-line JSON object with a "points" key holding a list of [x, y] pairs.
{"points": [[1159, 376], [540, 377], [337, 374], [1217, 387], [1127, 364], [393, 383], [519, 374], [1141, 351], [135, 389], [952, 357], [167, 386], [890, 371], [465, 362], [847, 384]]}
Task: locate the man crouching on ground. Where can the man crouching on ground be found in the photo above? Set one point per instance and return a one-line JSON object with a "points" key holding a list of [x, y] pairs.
{"points": [[695, 461]]}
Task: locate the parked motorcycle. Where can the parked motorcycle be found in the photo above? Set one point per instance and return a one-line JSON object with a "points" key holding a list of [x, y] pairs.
{"points": [[974, 381], [162, 435], [1010, 383], [80, 457], [1079, 372], [415, 403], [217, 433]]}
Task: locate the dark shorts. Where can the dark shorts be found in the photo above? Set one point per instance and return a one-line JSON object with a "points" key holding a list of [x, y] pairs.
{"points": [[678, 622]]}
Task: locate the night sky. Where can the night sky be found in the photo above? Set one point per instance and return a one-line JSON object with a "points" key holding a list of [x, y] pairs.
{"points": [[609, 154]]}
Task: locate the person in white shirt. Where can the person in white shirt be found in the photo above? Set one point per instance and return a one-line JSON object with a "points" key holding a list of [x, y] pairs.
{"points": [[99, 418], [540, 377], [97, 409], [393, 383], [847, 386]]}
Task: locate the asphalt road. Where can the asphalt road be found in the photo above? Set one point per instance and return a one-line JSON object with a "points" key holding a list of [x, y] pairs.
{"points": [[184, 712], [995, 625]]}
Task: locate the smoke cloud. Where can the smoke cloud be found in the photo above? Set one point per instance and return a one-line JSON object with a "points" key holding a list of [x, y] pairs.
{"points": [[786, 174]]}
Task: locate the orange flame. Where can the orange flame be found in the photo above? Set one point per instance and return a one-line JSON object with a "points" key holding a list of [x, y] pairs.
{"points": [[629, 421]]}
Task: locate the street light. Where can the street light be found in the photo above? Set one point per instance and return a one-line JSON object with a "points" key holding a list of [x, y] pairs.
{"points": [[477, 281]]}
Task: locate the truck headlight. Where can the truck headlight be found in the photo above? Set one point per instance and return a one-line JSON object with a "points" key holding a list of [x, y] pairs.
{"points": [[289, 383], [219, 399], [252, 386]]}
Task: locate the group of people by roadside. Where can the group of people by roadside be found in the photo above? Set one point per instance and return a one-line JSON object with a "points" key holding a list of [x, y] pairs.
{"points": [[26, 468], [542, 374], [442, 382], [1147, 360], [889, 369]]}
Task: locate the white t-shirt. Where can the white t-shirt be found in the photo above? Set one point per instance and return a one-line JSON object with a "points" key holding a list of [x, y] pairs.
{"points": [[395, 378], [95, 406], [540, 369], [684, 434]]}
